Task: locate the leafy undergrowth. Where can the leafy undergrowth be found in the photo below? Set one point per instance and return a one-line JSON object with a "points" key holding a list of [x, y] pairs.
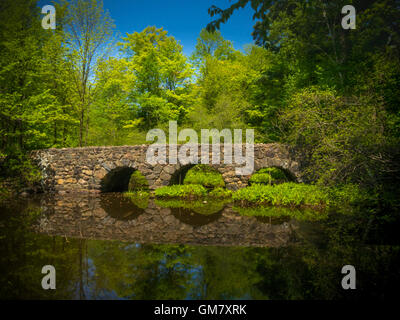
{"points": [[137, 182], [287, 194], [268, 176], [186, 191], [204, 175], [300, 195], [220, 193]]}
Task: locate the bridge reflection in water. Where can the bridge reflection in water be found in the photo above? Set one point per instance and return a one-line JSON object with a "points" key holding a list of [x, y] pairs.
{"points": [[114, 217]]}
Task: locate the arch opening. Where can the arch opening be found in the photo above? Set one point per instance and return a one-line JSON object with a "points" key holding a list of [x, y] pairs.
{"points": [[203, 174], [179, 175], [272, 175], [117, 180]]}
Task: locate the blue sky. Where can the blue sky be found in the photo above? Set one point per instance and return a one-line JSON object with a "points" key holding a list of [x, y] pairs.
{"points": [[183, 19]]}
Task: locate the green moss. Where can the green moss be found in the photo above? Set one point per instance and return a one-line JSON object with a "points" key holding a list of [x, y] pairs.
{"points": [[191, 191], [138, 198], [204, 175], [138, 182]]}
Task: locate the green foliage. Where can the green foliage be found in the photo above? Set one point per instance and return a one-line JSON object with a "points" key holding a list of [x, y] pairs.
{"points": [[204, 175], [330, 93], [339, 138], [138, 198], [350, 194], [138, 182], [190, 191], [286, 194], [21, 173], [261, 178], [268, 176], [220, 193], [159, 76]]}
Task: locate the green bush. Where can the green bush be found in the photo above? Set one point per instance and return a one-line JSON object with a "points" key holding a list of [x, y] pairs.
{"points": [[204, 175], [350, 194], [191, 191], [261, 178], [268, 176], [286, 194], [138, 198], [138, 182]]}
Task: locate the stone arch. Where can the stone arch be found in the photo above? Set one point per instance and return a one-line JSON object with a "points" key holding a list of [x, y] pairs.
{"points": [[116, 180], [288, 166], [179, 174], [289, 174]]}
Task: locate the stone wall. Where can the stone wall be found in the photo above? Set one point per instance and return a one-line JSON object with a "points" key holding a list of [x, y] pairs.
{"points": [[71, 170]]}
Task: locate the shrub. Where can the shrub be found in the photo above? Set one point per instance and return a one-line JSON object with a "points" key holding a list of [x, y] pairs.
{"points": [[204, 175], [268, 176], [181, 191], [350, 194], [261, 178], [138, 182]]}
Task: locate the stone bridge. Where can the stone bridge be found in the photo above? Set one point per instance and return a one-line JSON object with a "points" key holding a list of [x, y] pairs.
{"points": [[97, 169]]}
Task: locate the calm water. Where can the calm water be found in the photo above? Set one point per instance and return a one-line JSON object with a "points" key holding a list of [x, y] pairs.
{"points": [[107, 247]]}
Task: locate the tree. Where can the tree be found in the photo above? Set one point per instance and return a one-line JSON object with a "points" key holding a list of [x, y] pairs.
{"points": [[162, 76], [212, 44], [89, 31]]}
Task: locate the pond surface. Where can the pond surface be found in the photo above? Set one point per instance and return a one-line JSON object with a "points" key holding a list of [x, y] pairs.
{"points": [[108, 247]]}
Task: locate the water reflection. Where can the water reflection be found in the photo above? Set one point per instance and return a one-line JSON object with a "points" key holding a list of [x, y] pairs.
{"points": [[120, 208], [193, 218], [114, 217], [194, 213], [303, 261]]}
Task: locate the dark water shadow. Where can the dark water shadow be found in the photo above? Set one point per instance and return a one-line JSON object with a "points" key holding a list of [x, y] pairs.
{"points": [[190, 217], [119, 207]]}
